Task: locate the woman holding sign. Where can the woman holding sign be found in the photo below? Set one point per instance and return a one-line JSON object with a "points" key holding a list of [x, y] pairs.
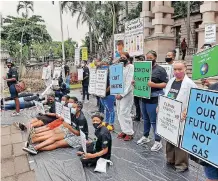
{"points": [[178, 88]]}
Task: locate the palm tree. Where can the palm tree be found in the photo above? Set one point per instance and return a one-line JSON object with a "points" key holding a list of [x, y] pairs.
{"points": [[26, 6]]}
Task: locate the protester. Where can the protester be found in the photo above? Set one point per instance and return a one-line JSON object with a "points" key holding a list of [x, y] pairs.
{"points": [[170, 57], [178, 88], [65, 135], [101, 148], [62, 91], [85, 81], [158, 82], [183, 48], [108, 100], [124, 101], [47, 78]]}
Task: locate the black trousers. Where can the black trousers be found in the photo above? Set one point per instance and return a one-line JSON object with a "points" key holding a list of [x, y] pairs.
{"points": [[85, 92], [137, 106], [183, 54]]}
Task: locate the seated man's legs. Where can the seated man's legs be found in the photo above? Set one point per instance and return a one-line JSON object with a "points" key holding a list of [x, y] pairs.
{"points": [[42, 136]]}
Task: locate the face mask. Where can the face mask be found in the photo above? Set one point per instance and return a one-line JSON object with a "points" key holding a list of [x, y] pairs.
{"points": [[153, 61], [73, 110], [62, 102], [168, 59], [70, 105], [104, 66], [124, 61], [82, 65], [179, 75], [96, 125], [8, 66]]}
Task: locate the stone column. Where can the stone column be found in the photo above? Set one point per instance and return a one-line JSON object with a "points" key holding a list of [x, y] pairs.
{"points": [[209, 10], [161, 40]]}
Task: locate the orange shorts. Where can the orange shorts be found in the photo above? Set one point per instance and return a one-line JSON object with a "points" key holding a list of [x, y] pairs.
{"points": [[55, 124]]}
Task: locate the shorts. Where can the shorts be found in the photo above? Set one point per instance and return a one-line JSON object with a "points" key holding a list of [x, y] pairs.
{"points": [[54, 124], [46, 119], [211, 172], [13, 91]]}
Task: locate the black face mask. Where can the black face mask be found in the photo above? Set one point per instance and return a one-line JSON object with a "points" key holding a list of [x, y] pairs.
{"points": [[153, 61], [96, 125], [124, 61], [168, 59]]}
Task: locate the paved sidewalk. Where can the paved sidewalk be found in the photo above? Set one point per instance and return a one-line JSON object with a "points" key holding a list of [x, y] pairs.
{"points": [[14, 161]]}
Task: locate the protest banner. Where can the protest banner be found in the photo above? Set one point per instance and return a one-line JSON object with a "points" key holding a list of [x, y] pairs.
{"points": [[83, 141], [205, 63], [168, 119], [200, 135], [66, 114], [210, 33], [77, 56], [142, 75], [92, 81], [84, 53], [116, 79], [101, 82], [39, 107], [118, 45], [169, 70], [134, 41], [58, 108], [80, 74]]}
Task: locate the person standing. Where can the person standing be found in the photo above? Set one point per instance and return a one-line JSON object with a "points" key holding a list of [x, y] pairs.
{"points": [[85, 81], [158, 83], [178, 88], [47, 78], [183, 48], [124, 102]]}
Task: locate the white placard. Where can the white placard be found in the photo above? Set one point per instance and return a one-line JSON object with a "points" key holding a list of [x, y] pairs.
{"points": [[210, 33], [66, 114], [168, 119], [169, 70], [83, 141], [39, 107], [44, 72], [101, 82], [92, 81], [77, 56], [58, 108], [80, 74], [134, 41], [57, 72]]}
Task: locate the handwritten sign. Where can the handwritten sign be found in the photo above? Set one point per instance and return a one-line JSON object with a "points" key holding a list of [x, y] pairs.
{"points": [[66, 114], [92, 81], [58, 108], [101, 82], [210, 33], [116, 79], [39, 107], [77, 56], [80, 74], [83, 141], [168, 119], [142, 75], [57, 72], [200, 136]]}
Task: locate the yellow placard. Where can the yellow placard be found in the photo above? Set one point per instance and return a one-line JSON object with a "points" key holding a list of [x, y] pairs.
{"points": [[84, 53]]}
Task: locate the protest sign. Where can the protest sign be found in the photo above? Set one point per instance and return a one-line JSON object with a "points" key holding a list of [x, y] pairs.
{"points": [[80, 74], [205, 63], [66, 114], [44, 72], [169, 70], [210, 33], [57, 72], [84, 53], [92, 81], [118, 45], [134, 41], [142, 75], [168, 119], [116, 79], [77, 56], [39, 107], [200, 136], [58, 108], [101, 82], [83, 141]]}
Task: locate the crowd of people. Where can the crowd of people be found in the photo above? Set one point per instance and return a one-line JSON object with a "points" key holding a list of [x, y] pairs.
{"points": [[49, 131]]}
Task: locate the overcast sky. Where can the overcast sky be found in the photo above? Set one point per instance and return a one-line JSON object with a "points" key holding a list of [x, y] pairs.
{"points": [[50, 13]]}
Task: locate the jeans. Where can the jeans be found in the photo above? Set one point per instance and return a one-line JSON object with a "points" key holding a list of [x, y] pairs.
{"points": [[100, 105], [149, 115], [85, 92], [108, 103], [10, 105]]}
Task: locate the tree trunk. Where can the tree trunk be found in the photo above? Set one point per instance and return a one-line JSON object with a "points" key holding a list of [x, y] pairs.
{"points": [[90, 38]]}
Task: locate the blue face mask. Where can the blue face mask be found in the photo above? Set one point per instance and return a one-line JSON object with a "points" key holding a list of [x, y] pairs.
{"points": [[73, 111], [70, 105], [104, 66]]}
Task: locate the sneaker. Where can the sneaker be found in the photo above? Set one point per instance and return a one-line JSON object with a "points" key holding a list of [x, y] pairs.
{"points": [[143, 140], [110, 127], [180, 170], [157, 146], [128, 137], [20, 126], [30, 150], [15, 114], [121, 135]]}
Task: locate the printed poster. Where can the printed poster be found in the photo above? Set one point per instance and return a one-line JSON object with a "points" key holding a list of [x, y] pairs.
{"points": [[58, 108], [84, 53], [118, 45], [92, 81], [210, 33], [168, 119], [200, 136], [101, 82]]}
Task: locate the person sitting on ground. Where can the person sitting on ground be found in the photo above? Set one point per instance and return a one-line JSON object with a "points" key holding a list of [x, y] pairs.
{"points": [[63, 136], [99, 149]]}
